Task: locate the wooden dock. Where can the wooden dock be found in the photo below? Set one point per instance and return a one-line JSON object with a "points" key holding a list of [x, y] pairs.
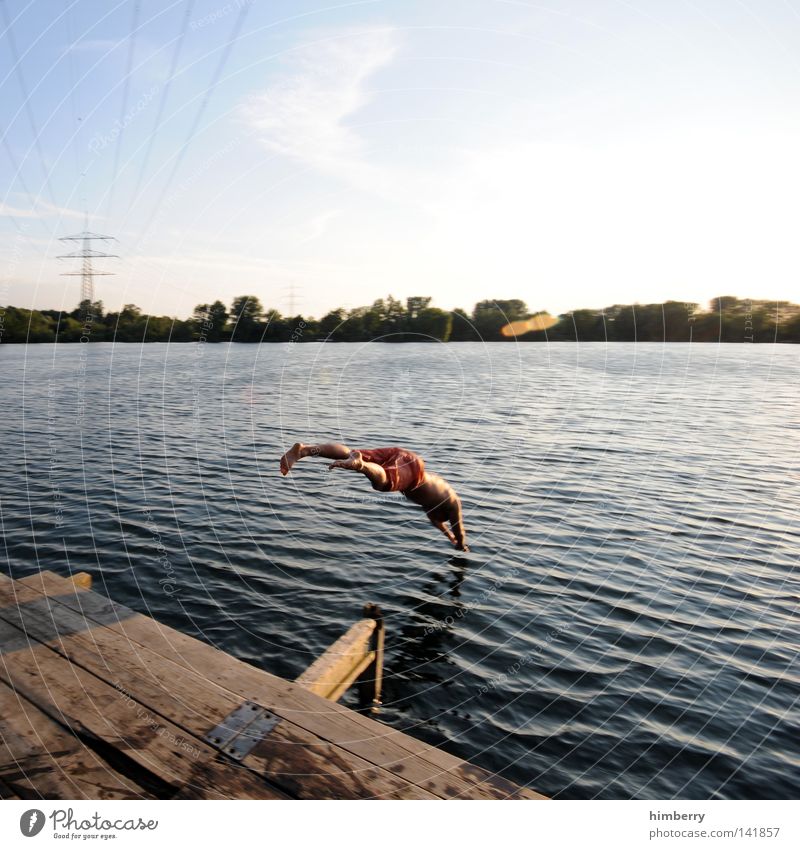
{"points": [[98, 701]]}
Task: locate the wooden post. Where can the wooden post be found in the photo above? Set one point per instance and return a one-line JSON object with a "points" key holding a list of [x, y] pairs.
{"points": [[370, 682], [341, 665], [355, 658]]}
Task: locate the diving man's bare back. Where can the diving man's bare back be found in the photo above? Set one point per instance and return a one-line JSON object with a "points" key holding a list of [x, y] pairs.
{"points": [[394, 470]]}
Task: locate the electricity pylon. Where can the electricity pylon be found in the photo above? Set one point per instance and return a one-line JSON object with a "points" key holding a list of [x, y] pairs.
{"points": [[87, 272], [291, 297]]}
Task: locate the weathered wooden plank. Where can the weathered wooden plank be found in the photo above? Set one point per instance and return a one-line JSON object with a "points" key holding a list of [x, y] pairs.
{"points": [[290, 757], [82, 580], [141, 744], [328, 721], [431, 768], [152, 747], [310, 768], [69, 776], [6, 792], [40, 759], [145, 746]]}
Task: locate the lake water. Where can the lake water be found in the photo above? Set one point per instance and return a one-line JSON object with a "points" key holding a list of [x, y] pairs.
{"points": [[626, 624]]}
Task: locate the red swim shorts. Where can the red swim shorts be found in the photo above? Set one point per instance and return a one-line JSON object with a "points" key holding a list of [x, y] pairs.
{"points": [[404, 469]]}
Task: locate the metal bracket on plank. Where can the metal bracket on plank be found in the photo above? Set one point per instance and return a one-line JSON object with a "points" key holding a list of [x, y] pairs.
{"points": [[241, 730]]}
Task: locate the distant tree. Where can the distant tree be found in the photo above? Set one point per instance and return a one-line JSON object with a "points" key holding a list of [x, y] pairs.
{"points": [[246, 315], [68, 329], [158, 328], [677, 317], [622, 322], [430, 324], [86, 307], [415, 305], [729, 327], [462, 327], [209, 322], [587, 325], [130, 325], [301, 329], [393, 321], [489, 316], [219, 321], [277, 329], [372, 318], [309, 333], [354, 329], [330, 325], [790, 330], [201, 321], [724, 303], [182, 331], [728, 319], [21, 325]]}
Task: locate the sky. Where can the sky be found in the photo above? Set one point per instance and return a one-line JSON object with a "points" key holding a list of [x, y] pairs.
{"points": [[571, 153]]}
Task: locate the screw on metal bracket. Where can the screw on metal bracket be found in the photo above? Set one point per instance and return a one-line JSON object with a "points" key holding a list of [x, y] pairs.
{"points": [[241, 730]]}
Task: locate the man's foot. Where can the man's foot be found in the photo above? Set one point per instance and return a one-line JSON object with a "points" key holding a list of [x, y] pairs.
{"points": [[353, 462], [291, 457], [459, 543]]}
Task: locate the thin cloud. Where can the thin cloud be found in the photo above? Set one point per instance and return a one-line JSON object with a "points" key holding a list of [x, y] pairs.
{"points": [[233, 263], [303, 114], [42, 210], [48, 209], [318, 226], [7, 211]]}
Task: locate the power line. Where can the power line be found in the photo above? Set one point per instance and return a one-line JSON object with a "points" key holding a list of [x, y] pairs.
{"points": [[18, 176], [237, 26], [19, 15], [34, 203], [125, 93], [82, 121], [27, 105], [164, 94], [72, 87]]}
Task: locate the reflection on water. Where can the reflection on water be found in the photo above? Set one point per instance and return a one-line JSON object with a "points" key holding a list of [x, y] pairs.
{"points": [[625, 624]]}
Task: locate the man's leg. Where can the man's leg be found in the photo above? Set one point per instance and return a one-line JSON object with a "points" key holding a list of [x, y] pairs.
{"points": [[328, 450], [375, 474], [459, 533], [438, 523]]}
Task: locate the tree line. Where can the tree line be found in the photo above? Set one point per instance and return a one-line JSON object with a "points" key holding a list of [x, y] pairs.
{"points": [[726, 319]]}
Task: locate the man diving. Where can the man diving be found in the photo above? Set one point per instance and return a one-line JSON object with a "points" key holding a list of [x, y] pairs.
{"points": [[393, 470]]}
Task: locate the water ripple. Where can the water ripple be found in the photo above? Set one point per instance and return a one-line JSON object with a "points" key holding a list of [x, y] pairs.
{"points": [[626, 623]]}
